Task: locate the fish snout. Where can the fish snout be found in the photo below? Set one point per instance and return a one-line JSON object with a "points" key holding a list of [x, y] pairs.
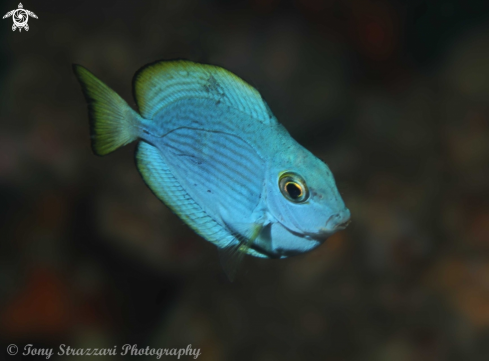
{"points": [[338, 221]]}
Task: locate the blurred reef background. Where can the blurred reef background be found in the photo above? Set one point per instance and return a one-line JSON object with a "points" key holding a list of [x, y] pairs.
{"points": [[392, 94]]}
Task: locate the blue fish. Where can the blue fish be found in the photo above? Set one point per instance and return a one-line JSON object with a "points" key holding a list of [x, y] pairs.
{"points": [[212, 151]]}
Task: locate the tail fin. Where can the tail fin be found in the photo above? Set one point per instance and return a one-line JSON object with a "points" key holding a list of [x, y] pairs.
{"points": [[113, 123]]}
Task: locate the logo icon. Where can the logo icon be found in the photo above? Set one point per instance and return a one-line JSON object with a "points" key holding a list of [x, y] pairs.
{"points": [[20, 17]]}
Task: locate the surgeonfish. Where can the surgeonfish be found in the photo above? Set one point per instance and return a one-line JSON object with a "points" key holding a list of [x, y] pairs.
{"points": [[211, 149]]}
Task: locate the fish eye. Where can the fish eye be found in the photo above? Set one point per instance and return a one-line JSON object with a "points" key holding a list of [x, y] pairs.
{"points": [[293, 187]]}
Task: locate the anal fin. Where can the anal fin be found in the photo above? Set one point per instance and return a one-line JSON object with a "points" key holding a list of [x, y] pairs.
{"points": [[232, 246], [167, 188]]}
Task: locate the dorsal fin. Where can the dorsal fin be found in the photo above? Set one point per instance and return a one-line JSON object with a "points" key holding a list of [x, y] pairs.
{"points": [[162, 83]]}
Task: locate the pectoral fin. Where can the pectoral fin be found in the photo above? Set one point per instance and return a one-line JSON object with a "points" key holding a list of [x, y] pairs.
{"points": [[232, 256]]}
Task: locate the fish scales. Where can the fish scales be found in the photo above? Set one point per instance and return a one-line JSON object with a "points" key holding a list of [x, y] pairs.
{"points": [[233, 166], [220, 177]]}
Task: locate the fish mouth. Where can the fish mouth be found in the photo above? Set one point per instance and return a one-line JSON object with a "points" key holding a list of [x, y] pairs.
{"points": [[337, 222], [342, 226], [324, 233]]}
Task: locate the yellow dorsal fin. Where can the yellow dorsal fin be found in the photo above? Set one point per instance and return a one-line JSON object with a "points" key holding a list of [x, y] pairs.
{"points": [[162, 83]]}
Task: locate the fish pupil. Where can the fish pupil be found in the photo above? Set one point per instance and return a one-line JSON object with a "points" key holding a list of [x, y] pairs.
{"points": [[293, 190]]}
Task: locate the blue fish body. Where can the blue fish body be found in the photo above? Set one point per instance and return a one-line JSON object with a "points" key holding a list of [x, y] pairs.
{"points": [[211, 149]]}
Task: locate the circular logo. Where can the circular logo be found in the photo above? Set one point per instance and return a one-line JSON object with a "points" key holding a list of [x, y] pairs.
{"points": [[20, 17], [12, 349]]}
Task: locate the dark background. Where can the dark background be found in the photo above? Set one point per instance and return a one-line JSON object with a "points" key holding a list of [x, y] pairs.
{"points": [[393, 95]]}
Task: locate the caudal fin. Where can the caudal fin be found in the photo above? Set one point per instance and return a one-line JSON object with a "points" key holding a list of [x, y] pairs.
{"points": [[113, 123]]}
